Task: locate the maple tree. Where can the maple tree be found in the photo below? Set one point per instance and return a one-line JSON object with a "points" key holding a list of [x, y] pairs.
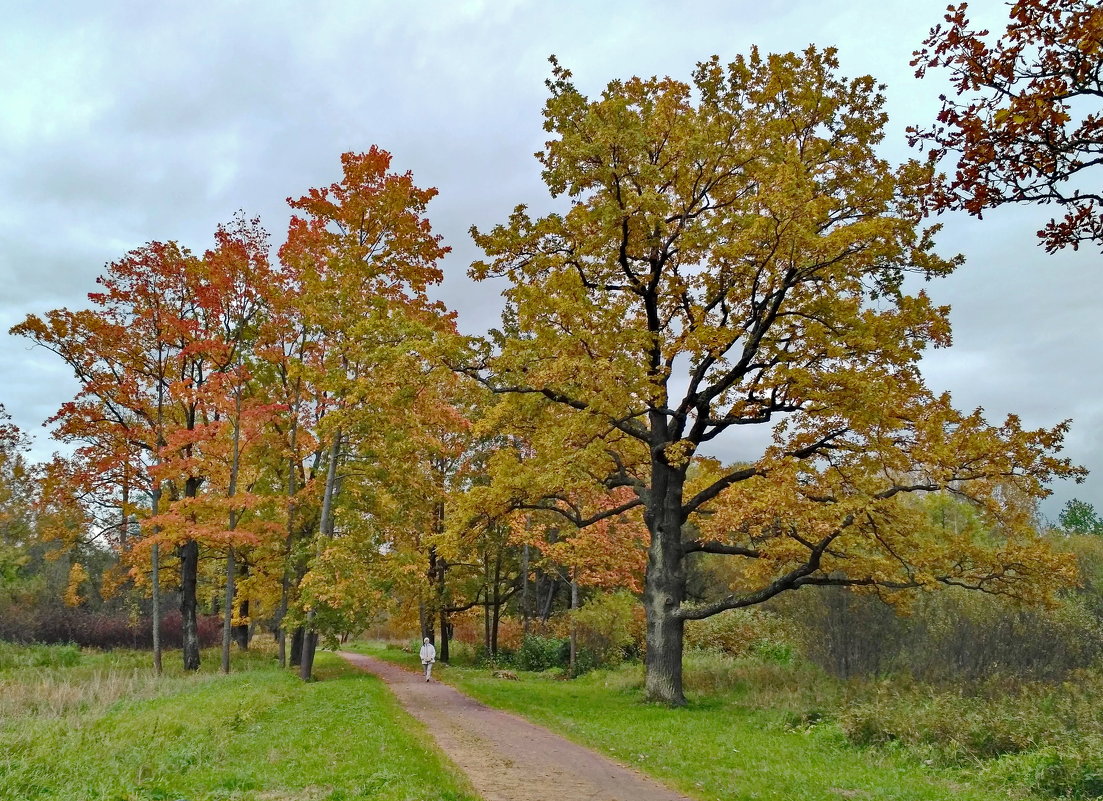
{"points": [[362, 255], [1026, 125], [150, 357], [734, 255], [439, 453]]}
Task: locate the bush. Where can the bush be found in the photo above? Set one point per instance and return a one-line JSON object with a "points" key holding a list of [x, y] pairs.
{"points": [[946, 637], [1069, 770], [503, 659], [743, 632], [608, 627], [993, 720], [542, 653], [51, 625]]}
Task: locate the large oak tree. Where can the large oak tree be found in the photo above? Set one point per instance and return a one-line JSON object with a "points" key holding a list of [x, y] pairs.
{"points": [[734, 256]]}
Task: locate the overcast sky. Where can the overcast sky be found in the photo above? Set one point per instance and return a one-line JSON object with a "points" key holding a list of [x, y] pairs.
{"points": [[129, 122]]}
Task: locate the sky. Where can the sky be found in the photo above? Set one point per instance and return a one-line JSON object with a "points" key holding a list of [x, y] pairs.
{"points": [[124, 123]]}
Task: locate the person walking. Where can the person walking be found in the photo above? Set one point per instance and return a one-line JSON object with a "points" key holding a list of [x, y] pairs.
{"points": [[428, 657]]}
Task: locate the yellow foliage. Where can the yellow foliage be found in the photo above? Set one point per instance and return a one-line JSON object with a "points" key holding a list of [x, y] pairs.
{"points": [[77, 576], [734, 255]]}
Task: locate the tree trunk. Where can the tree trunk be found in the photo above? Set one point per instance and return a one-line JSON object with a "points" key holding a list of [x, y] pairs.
{"points": [[189, 574], [664, 589], [297, 646], [242, 633], [497, 613], [572, 665], [422, 614], [293, 464], [310, 647], [486, 626], [155, 555], [427, 622], [442, 606], [443, 635], [281, 639], [231, 568], [546, 611], [289, 543], [228, 612], [155, 582], [525, 615], [310, 639]]}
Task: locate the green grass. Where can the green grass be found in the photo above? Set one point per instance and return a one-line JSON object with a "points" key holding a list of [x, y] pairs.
{"points": [[723, 745], [104, 729]]}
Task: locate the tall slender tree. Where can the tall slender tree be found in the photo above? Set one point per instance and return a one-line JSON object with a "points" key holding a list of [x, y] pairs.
{"points": [[362, 254]]}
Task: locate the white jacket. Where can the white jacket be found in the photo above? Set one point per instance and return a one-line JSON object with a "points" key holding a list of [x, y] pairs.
{"points": [[428, 653]]}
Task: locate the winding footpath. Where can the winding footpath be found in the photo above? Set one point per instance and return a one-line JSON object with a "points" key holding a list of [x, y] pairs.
{"points": [[505, 757]]}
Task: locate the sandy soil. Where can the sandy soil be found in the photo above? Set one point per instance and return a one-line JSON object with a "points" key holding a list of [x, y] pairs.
{"points": [[507, 758]]}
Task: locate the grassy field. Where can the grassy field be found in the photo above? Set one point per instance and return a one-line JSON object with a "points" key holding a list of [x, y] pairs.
{"points": [[724, 745], [100, 727]]}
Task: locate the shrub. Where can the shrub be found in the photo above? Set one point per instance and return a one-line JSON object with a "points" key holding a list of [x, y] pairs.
{"points": [[542, 653], [99, 629], [954, 634], [607, 628], [992, 720], [742, 632], [1068, 770]]}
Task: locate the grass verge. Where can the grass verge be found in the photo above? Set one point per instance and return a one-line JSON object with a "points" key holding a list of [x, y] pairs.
{"points": [[258, 734], [723, 745]]}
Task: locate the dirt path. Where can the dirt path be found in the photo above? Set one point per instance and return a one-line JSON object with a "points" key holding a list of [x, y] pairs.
{"points": [[507, 758]]}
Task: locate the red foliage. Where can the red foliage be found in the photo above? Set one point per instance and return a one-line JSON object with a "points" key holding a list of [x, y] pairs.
{"points": [[1027, 127]]}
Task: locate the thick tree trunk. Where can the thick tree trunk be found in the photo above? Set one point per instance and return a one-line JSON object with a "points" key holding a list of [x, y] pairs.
{"points": [[297, 647], [664, 657], [241, 633], [665, 587], [189, 574], [310, 647]]}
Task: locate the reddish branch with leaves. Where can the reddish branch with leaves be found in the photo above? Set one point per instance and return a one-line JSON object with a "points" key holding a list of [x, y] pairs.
{"points": [[1026, 123]]}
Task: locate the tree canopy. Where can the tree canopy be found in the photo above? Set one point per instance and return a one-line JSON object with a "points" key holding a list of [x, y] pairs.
{"points": [[735, 255]]}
